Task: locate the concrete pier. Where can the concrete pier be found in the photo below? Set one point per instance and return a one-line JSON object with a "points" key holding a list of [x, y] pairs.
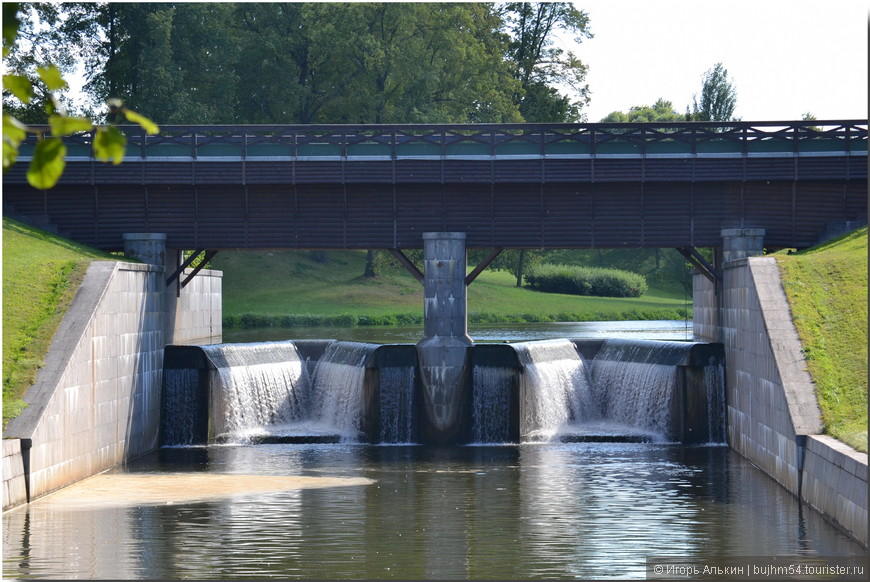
{"points": [[148, 247], [739, 243], [443, 353]]}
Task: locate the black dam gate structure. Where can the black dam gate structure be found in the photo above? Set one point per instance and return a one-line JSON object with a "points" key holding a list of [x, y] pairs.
{"points": [[509, 186]]}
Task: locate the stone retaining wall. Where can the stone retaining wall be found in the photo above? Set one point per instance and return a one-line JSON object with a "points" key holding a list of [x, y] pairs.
{"points": [[96, 400], [773, 414]]}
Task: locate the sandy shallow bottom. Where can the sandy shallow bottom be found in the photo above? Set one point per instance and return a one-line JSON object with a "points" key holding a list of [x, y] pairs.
{"points": [[164, 489]]}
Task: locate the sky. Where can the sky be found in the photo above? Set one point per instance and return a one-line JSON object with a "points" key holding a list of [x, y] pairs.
{"points": [[785, 58]]}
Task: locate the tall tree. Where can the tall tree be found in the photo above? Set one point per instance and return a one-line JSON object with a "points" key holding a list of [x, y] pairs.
{"points": [[172, 61], [718, 97], [542, 67]]}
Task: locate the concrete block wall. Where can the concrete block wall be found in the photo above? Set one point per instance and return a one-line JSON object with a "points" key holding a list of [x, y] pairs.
{"points": [[194, 315], [835, 483], [772, 411], [14, 485], [96, 401]]}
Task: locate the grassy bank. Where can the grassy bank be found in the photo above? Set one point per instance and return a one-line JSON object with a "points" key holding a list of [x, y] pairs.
{"points": [[827, 291], [290, 288], [40, 275]]}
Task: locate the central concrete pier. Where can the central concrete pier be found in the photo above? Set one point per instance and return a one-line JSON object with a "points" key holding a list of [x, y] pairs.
{"points": [[444, 352]]}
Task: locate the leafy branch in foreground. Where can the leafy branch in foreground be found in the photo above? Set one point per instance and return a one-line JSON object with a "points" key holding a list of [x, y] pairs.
{"points": [[48, 161]]}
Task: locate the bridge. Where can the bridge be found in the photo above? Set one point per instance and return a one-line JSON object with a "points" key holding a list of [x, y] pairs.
{"points": [[505, 186]]}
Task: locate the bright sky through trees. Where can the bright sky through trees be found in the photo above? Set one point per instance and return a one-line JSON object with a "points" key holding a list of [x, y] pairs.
{"points": [[784, 57]]}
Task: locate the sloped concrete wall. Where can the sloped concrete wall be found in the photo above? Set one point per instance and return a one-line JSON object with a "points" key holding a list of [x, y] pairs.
{"points": [[96, 401], [772, 410]]}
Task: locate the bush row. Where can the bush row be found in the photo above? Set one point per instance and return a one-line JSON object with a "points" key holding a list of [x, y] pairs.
{"points": [[251, 321], [574, 280]]}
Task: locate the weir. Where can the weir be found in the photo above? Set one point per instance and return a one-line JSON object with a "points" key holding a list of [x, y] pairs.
{"points": [[444, 389], [522, 392]]}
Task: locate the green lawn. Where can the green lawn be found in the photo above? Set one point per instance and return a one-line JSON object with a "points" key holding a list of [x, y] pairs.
{"points": [[40, 275], [827, 290], [278, 284]]}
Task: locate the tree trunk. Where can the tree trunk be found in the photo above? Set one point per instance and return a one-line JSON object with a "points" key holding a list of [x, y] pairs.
{"points": [[370, 264], [521, 264]]}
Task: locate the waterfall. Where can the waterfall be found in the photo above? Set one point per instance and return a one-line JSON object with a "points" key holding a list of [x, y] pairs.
{"points": [[555, 387], [338, 387], [181, 402], [396, 404], [635, 381], [257, 385], [714, 375], [490, 412]]}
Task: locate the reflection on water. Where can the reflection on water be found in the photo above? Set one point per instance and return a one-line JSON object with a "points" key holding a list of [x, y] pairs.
{"points": [[505, 512], [673, 330]]}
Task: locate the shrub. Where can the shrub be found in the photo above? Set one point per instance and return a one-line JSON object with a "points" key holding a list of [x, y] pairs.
{"points": [[574, 280]]}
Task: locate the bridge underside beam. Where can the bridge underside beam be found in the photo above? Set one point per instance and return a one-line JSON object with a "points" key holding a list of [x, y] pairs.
{"points": [[409, 266], [483, 265], [698, 261], [208, 255]]}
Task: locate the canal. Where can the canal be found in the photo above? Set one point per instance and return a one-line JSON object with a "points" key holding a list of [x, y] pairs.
{"points": [[353, 511]]}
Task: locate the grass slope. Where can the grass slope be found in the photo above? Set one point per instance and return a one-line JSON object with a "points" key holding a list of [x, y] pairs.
{"points": [[827, 291], [40, 275], [268, 288]]}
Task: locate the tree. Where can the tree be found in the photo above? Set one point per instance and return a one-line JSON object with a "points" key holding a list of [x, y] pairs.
{"points": [[32, 73], [718, 97], [661, 111], [515, 261], [540, 66]]}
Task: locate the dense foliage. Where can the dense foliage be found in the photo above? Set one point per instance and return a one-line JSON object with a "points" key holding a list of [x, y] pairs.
{"points": [[575, 280], [276, 63]]}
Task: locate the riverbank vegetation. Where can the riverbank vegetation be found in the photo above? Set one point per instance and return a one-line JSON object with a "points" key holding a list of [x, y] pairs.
{"points": [[40, 275], [827, 291]]}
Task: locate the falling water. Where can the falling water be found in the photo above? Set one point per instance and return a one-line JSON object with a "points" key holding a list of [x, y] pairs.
{"points": [[258, 385], [338, 387], [635, 381], [714, 375], [181, 398], [490, 410], [556, 387], [396, 404]]}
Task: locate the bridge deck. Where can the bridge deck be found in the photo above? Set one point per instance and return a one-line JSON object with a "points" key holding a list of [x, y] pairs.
{"points": [[555, 186]]}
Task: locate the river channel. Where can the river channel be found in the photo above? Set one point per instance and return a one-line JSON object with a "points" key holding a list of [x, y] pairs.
{"points": [[352, 511]]}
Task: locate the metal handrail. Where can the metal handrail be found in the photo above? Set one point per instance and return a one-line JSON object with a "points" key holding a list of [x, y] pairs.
{"points": [[489, 137]]}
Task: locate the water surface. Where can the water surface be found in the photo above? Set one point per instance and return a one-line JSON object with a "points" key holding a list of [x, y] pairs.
{"points": [[674, 330], [588, 510]]}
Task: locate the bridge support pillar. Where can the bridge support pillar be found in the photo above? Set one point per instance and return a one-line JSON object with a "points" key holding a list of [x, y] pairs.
{"points": [[738, 243], [148, 247], [443, 353]]}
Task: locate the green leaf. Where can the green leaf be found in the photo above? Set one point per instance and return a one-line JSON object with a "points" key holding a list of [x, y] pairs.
{"points": [[109, 144], [149, 126], [47, 164], [14, 133], [20, 86], [52, 78], [10, 154], [13, 130], [65, 125]]}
